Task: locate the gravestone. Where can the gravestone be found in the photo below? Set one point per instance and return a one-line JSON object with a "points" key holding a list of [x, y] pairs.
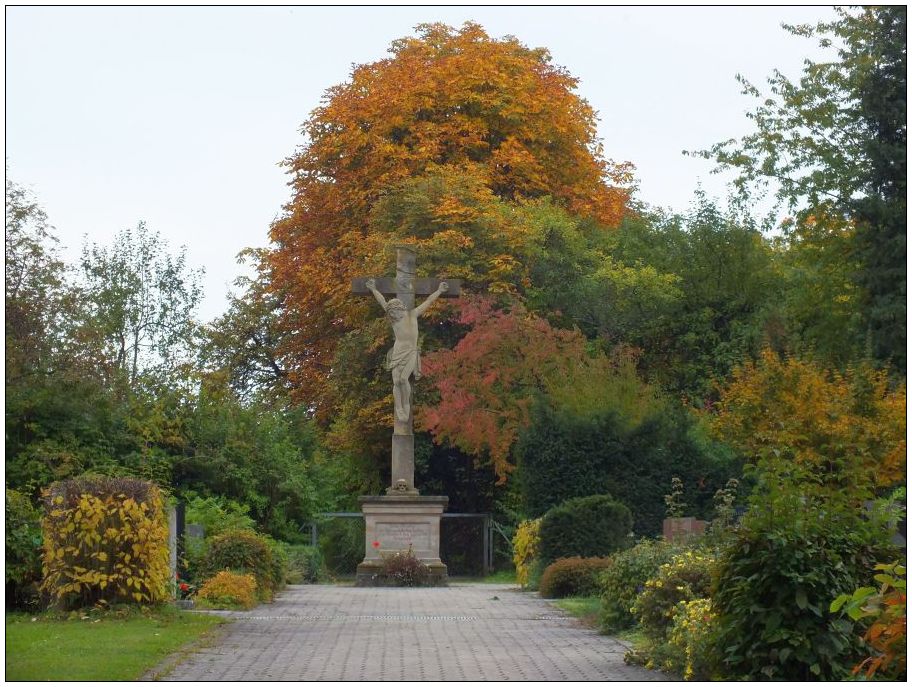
{"points": [[679, 530], [402, 519], [195, 531]]}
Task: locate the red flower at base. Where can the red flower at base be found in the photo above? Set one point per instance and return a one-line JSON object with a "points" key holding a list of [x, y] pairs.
{"points": [[184, 586], [376, 545]]}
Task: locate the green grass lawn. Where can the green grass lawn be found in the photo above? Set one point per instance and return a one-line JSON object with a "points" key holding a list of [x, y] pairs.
{"points": [[586, 608], [633, 636], [102, 647], [499, 577]]}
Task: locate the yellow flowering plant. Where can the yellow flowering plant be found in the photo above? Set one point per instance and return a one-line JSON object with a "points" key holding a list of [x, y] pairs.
{"points": [[690, 650], [685, 578]]}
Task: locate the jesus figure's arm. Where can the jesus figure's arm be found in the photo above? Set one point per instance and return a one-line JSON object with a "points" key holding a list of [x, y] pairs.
{"points": [[372, 287], [442, 288]]}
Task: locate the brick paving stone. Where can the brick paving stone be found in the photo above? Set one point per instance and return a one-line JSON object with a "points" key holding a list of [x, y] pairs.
{"points": [[462, 632]]}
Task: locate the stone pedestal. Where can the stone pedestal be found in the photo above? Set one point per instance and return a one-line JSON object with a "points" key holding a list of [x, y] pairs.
{"points": [[394, 522]]}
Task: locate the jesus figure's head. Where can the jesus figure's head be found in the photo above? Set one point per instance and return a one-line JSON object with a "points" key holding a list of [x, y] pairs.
{"points": [[395, 309]]}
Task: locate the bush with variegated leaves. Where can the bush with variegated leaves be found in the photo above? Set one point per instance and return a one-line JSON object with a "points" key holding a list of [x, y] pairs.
{"points": [[105, 539], [690, 641], [686, 577]]}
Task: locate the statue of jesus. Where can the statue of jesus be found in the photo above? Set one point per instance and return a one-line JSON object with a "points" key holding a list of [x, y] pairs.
{"points": [[404, 359]]}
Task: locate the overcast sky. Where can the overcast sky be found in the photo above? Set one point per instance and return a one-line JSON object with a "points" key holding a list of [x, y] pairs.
{"points": [[180, 116]]}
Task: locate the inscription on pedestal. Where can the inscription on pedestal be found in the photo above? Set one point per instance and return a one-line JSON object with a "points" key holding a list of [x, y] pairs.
{"points": [[398, 536]]}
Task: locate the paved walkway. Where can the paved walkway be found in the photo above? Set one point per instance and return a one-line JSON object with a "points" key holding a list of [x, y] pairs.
{"points": [[460, 632]]}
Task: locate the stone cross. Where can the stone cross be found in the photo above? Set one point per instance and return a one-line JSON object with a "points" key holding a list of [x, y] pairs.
{"points": [[404, 358]]}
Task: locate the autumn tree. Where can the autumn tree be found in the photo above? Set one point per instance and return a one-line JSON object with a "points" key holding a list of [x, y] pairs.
{"points": [[488, 382], [446, 105], [486, 386], [543, 410]]}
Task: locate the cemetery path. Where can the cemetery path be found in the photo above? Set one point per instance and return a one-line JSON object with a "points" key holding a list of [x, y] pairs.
{"points": [[461, 632]]}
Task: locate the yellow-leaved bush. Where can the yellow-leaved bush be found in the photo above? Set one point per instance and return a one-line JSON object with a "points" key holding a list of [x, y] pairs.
{"points": [[228, 589], [839, 427], [525, 548], [105, 539]]}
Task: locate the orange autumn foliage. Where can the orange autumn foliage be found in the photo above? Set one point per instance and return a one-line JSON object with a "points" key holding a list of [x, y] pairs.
{"points": [[840, 426], [886, 636], [447, 102], [461, 228], [488, 381]]}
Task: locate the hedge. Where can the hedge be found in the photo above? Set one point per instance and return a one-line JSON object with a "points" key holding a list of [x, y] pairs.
{"points": [[587, 526], [572, 577], [562, 456]]}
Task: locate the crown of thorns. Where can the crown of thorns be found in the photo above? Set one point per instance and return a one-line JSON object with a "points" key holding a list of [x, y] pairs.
{"points": [[394, 304]]}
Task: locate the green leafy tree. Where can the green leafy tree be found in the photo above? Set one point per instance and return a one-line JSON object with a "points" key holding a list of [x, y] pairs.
{"points": [[575, 281], [565, 454], [820, 307], [243, 344], [880, 236], [23, 550], [834, 145], [139, 307], [34, 288], [705, 294], [258, 454], [59, 422]]}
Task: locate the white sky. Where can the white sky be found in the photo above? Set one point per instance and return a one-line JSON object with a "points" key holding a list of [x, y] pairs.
{"points": [[179, 116]]}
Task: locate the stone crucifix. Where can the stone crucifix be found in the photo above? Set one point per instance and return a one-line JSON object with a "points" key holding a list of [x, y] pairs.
{"points": [[404, 359]]}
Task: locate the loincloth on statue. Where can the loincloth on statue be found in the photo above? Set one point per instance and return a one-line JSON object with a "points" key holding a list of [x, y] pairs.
{"points": [[400, 356]]}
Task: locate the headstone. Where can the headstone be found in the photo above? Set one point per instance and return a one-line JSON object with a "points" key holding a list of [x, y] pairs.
{"points": [[682, 529], [402, 519], [196, 531]]}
